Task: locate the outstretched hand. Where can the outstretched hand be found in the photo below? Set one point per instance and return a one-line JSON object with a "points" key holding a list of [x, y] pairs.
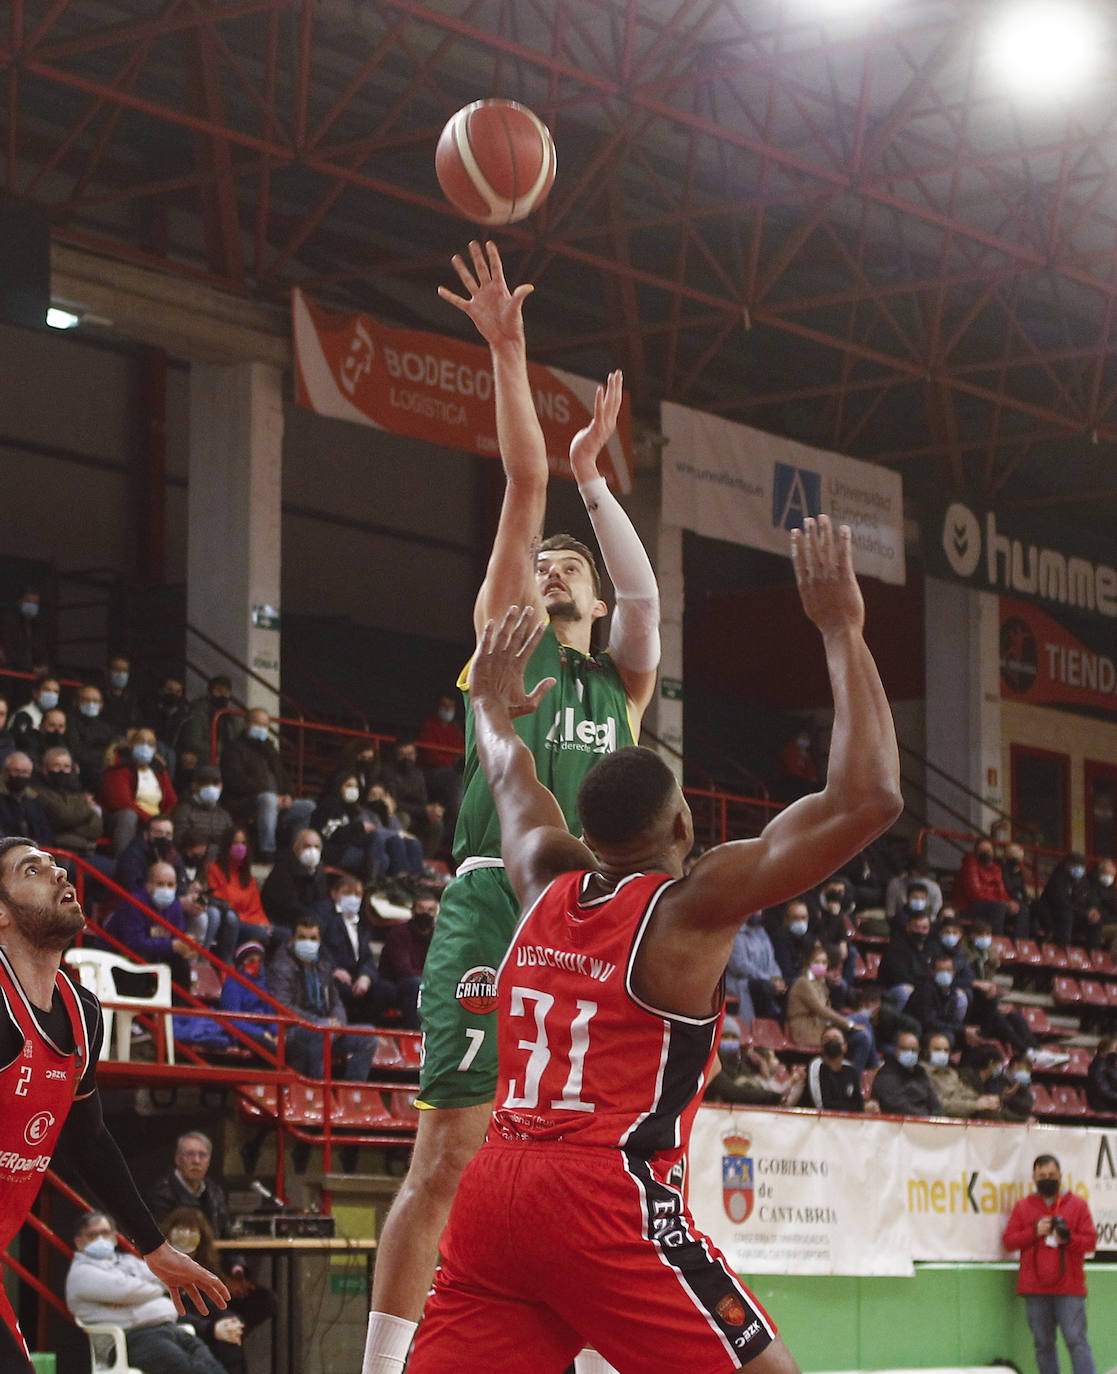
{"points": [[180, 1273], [496, 311], [823, 563], [497, 671], [588, 442]]}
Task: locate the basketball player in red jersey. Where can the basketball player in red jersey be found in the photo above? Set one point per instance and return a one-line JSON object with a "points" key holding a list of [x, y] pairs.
{"points": [[50, 1041], [566, 1228]]}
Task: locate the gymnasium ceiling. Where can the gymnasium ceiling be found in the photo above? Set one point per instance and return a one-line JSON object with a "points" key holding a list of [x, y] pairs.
{"points": [[837, 230]]}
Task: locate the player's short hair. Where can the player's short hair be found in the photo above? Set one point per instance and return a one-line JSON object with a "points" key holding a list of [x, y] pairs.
{"points": [[567, 541], [621, 796]]}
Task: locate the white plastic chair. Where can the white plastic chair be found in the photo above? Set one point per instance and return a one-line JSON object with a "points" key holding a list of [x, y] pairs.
{"points": [[108, 1349], [96, 968]]}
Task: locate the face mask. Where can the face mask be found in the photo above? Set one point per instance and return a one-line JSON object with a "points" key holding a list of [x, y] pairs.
{"points": [[143, 754], [209, 794], [1076, 871], [17, 785], [940, 1059], [446, 714], [819, 970], [833, 1049], [350, 794], [219, 703], [310, 857], [259, 732], [983, 941], [90, 709], [423, 922], [238, 853], [349, 903], [803, 741], [917, 903], [1048, 1187], [908, 1058], [798, 927], [161, 845], [62, 780], [1106, 879], [30, 609], [1023, 1076], [944, 977], [307, 950], [918, 936], [985, 858], [48, 700], [169, 700], [950, 940], [251, 968], [163, 897], [100, 1249]]}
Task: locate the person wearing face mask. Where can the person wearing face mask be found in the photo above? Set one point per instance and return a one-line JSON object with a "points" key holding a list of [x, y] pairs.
{"points": [[7, 739], [28, 720], [901, 1085], [797, 770], [809, 1011], [153, 844], [1101, 1078], [405, 952], [353, 837], [196, 735], [440, 748], [167, 710], [1017, 886], [1014, 1083], [1067, 912], [1054, 1232], [27, 639], [792, 939], [936, 1003], [257, 787], [915, 869], [955, 1095], [234, 894], [105, 1285], [137, 786], [21, 811], [301, 977], [752, 976], [188, 1230], [202, 812], [1105, 898], [404, 779], [831, 1083], [908, 961], [249, 961], [347, 941], [979, 888], [749, 1073], [133, 923], [995, 1018], [121, 705], [296, 886], [73, 816], [90, 735]]}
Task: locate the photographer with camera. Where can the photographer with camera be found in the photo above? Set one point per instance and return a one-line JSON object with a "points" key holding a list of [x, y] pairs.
{"points": [[1054, 1233]]}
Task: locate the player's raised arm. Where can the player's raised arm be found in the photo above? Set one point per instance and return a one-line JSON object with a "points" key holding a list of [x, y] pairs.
{"points": [[535, 843], [498, 314], [634, 636]]}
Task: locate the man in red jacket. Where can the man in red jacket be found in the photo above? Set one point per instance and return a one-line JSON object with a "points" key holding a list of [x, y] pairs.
{"points": [[979, 888], [1054, 1232]]}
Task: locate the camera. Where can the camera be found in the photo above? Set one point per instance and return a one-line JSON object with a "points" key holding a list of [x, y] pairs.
{"points": [[1060, 1229]]}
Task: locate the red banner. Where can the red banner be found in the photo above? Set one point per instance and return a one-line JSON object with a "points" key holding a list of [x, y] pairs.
{"points": [[1046, 664], [350, 367]]}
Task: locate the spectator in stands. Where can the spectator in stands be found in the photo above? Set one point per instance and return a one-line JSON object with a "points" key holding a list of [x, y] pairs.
{"points": [[121, 708], [302, 979], [353, 837], [249, 961], [194, 850], [27, 646], [21, 812], [405, 853], [901, 1085], [441, 752], [52, 734], [917, 900], [1101, 1078], [7, 739], [133, 925], [1017, 1098], [167, 711], [1105, 897], [347, 942], [809, 1011], [429, 827], [868, 874], [90, 736], [188, 1184], [71, 812], [797, 771], [230, 882], [28, 720], [752, 977], [201, 813], [257, 787], [135, 787], [979, 888], [981, 1068], [915, 869], [222, 1331], [296, 885], [405, 953], [995, 1018], [937, 1004], [831, 1083], [950, 939], [908, 960], [748, 1073], [1016, 885], [837, 923], [956, 1096], [195, 738], [154, 844], [404, 779], [105, 1285], [1068, 912], [792, 939]]}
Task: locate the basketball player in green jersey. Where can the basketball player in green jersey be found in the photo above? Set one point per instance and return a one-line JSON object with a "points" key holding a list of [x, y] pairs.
{"points": [[594, 705]]}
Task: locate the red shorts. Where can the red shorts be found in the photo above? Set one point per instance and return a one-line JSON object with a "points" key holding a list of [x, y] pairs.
{"points": [[552, 1247]]}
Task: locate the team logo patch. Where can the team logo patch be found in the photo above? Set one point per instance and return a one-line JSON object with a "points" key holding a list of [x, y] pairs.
{"points": [[731, 1310], [736, 1178], [477, 989], [36, 1129]]}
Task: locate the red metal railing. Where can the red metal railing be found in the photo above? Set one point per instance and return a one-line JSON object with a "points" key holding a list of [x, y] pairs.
{"points": [[302, 727]]}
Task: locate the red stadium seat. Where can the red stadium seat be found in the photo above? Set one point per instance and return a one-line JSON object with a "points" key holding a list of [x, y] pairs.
{"points": [[302, 1104], [1066, 990], [1042, 1102], [769, 1034], [1111, 993], [356, 1105], [1078, 1061], [1037, 1020], [1078, 958], [387, 1055], [1028, 952], [1102, 961], [403, 1107], [1004, 949], [411, 1047], [1054, 956], [1093, 993], [1069, 1101], [259, 1099]]}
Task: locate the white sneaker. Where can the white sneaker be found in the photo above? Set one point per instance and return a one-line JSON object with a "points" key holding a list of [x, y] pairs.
{"points": [[1048, 1059]]}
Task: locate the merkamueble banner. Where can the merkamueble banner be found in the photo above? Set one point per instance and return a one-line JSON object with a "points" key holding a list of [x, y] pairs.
{"points": [[784, 1191], [727, 481]]}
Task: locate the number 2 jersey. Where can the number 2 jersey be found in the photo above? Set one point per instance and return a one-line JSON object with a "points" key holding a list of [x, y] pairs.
{"points": [[582, 1058]]}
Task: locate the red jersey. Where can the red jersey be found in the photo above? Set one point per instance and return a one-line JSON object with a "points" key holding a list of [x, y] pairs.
{"points": [[37, 1089], [582, 1058]]}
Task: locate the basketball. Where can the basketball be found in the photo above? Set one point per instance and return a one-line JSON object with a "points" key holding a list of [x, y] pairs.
{"points": [[495, 161]]}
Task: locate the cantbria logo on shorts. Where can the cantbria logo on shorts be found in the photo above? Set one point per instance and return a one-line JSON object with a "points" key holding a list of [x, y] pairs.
{"points": [[736, 1178], [477, 989], [37, 1127]]}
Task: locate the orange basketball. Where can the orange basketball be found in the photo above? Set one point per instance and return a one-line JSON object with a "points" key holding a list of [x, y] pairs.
{"points": [[495, 161]]}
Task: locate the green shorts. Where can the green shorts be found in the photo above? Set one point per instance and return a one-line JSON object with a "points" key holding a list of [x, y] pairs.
{"points": [[477, 918]]}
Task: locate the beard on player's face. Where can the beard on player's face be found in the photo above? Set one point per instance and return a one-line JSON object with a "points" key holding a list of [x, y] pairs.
{"points": [[49, 921], [564, 610]]}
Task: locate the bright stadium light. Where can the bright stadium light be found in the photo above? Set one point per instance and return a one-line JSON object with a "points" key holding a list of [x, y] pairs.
{"points": [[1044, 48], [62, 319]]}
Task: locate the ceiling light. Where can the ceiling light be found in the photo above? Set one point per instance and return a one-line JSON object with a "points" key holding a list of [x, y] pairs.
{"points": [[1044, 48], [62, 319]]}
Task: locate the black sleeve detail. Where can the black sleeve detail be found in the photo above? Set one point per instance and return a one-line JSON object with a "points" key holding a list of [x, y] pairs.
{"points": [[95, 1034], [89, 1149]]}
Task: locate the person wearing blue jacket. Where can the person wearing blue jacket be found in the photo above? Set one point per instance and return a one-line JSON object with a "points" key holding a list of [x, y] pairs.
{"points": [[134, 924], [249, 961]]}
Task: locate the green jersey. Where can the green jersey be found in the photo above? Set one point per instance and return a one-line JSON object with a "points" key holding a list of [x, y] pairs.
{"points": [[583, 717]]}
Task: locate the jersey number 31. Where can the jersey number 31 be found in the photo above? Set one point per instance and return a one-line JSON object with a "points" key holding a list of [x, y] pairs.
{"points": [[539, 1005]]}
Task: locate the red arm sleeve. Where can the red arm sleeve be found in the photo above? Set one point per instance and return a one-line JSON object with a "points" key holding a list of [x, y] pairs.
{"points": [[1020, 1233]]}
